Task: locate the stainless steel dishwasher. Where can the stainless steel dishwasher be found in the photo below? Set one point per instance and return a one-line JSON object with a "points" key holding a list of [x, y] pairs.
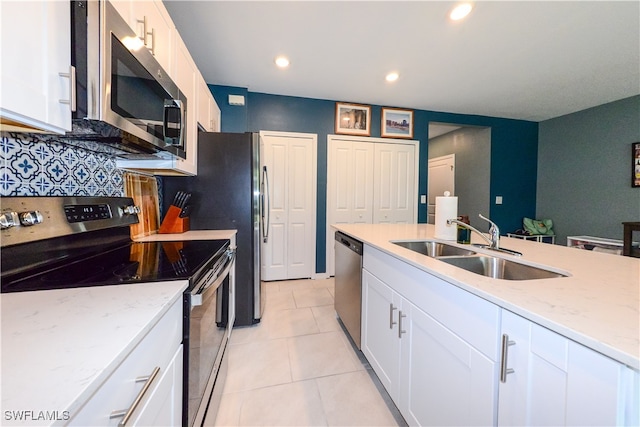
{"points": [[348, 283]]}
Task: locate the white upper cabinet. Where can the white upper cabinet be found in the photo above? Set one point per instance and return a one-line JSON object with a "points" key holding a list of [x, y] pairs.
{"points": [[36, 70], [153, 25], [208, 111]]}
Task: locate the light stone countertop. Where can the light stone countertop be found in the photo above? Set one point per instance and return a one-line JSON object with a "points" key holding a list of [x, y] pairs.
{"points": [[597, 306], [59, 346], [189, 235]]}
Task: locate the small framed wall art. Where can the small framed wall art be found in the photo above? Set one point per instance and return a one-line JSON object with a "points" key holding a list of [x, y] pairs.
{"points": [[397, 123], [635, 167], [353, 119]]}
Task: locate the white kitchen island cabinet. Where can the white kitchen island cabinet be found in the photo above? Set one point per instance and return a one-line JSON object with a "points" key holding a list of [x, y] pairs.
{"points": [[423, 353], [36, 77], [437, 347], [555, 381]]}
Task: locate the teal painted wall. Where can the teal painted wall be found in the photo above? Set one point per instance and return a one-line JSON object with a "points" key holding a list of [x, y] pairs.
{"points": [[514, 145], [584, 170]]}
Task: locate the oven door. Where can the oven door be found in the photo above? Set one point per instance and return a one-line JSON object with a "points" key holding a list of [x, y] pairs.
{"points": [[207, 340]]}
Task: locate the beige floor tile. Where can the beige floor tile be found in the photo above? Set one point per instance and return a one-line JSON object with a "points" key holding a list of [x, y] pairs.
{"points": [[325, 316], [352, 399], [257, 364], [294, 404], [312, 297], [291, 323], [281, 300], [292, 285], [228, 412], [318, 355], [323, 283], [247, 334]]}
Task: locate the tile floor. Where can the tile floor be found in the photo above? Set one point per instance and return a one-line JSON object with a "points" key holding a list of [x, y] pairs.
{"points": [[298, 368]]}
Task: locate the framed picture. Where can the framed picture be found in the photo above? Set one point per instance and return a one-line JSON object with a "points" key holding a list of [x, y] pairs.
{"points": [[397, 123], [635, 167], [353, 119]]}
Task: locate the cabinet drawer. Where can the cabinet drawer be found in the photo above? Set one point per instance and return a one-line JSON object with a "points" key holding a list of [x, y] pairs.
{"points": [[120, 389], [473, 319]]}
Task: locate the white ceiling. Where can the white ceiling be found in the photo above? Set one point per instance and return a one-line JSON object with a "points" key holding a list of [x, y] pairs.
{"points": [[531, 60]]}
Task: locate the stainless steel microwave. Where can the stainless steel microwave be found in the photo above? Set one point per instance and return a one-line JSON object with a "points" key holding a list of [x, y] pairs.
{"points": [[124, 98]]}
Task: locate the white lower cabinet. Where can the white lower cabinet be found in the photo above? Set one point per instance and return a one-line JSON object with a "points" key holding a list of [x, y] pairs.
{"points": [[449, 357], [555, 381], [423, 355], [161, 403]]}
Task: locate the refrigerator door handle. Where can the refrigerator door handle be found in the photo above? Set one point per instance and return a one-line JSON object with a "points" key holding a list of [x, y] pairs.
{"points": [[265, 207]]}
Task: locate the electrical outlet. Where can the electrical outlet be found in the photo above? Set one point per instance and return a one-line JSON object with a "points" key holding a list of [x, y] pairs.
{"points": [[498, 200]]}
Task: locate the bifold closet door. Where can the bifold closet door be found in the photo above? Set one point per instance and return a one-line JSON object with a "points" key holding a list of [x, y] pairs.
{"points": [[290, 161], [394, 200]]}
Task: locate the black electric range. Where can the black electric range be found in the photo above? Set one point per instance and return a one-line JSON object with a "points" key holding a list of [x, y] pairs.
{"points": [[70, 242], [79, 256]]}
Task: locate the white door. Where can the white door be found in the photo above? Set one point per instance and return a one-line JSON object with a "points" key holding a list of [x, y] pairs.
{"points": [[369, 180], [290, 161], [441, 178], [394, 200], [349, 187]]}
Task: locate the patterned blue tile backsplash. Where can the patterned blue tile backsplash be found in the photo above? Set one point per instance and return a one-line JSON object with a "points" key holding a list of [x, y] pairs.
{"points": [[37, 165]]}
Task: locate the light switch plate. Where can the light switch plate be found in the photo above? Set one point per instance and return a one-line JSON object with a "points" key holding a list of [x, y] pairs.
{"points": [[423, 199], [498, 200]]}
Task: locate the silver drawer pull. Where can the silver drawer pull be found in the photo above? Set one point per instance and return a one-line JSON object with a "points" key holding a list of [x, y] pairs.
{"points": [[400, 330], [127, 413], [391, 310], [504, 371]]}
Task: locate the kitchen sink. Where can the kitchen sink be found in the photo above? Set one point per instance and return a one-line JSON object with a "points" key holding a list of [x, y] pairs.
{"points": [[499, 268], [434, 249]]}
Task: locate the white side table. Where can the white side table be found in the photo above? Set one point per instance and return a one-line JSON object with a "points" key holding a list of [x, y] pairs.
{"points": [[542, 238]]}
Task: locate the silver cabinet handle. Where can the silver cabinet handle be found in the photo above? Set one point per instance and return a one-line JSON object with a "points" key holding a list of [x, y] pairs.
{"points": [[391, 310], [153, 41], [71, 75], [400, 330], [504, 371], [127, 413]]}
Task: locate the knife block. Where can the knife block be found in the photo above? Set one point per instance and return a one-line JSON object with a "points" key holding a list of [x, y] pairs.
{"points": [[172, 223]]}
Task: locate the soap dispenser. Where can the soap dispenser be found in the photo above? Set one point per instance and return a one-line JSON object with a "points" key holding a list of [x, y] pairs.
{"points": [[464, 234]]}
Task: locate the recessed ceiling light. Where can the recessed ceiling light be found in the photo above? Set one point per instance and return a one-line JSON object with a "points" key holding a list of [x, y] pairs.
{"points": [[392, 77], [282, 61], [460, 11]]}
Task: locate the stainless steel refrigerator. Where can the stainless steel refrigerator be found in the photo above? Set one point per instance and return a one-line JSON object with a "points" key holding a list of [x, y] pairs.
{"points": [[226, 194]]}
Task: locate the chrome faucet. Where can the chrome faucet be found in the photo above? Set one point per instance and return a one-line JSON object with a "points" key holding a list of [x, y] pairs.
{"points": [[494, 232]]}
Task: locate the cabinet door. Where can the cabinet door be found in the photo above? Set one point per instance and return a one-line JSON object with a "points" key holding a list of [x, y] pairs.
{"points": [[556, 381], [443, 380], [208, 113], [32, 87], [394, 180], [380, 342], [163, 407], [152, 23], [185, 77]]}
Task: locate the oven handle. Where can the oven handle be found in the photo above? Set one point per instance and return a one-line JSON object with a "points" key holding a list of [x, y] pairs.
{"points": [[196, 294]]}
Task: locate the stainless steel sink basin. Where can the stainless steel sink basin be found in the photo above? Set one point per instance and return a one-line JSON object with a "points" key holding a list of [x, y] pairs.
{"points": [[499, 268], [435, 249]]}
